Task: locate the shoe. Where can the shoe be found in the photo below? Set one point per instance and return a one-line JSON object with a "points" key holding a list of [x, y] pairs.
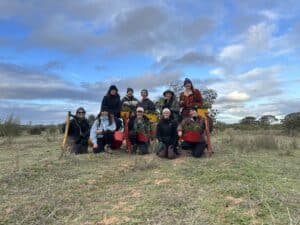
{"points": [[108, 149], [133, 149]]}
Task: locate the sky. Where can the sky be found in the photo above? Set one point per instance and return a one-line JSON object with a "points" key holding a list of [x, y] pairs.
{"points": [[58, 55]]}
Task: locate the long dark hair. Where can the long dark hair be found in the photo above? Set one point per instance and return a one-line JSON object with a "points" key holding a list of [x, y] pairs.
{"points": [[110, 117]]}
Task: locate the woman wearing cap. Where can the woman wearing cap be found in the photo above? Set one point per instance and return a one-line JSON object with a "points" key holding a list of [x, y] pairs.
{"points": [[166, 134], [170, 101], [79, 131], [189, 98], [111, 101], [129, 102], [102, 132], [193, 125], [139, 131]]}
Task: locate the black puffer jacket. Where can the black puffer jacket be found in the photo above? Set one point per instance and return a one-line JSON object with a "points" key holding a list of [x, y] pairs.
{"points": [[112, 104], [147, 104], [167, 131]]}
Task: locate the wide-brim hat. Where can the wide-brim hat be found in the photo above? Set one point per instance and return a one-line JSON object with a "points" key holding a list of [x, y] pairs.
{"points": [[168, 91]]}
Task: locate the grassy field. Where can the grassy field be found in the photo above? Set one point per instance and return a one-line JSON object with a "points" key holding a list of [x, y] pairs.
{"points": [[243, 183]]}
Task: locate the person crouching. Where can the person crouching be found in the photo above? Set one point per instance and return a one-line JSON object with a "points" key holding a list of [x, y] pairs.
{"points": [[166, 134], [191, 130], [101, 134], [139, 132]]}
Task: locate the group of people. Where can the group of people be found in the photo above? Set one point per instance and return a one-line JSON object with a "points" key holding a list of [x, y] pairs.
{"points": [[178, 119]]}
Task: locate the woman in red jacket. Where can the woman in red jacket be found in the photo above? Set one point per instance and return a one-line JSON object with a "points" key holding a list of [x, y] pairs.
{"points": [[189, 98]]}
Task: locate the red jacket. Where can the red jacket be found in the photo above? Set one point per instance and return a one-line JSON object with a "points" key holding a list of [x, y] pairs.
{"points": [[193, 100]]}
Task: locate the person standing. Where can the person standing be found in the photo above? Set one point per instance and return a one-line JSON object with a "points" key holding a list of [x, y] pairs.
{"points": [[170, 101], [189, 98], [146, 103], [111, 101], [129, 102]]}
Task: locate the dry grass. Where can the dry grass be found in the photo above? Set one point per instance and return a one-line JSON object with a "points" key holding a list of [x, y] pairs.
{"points": [[240, 184]]}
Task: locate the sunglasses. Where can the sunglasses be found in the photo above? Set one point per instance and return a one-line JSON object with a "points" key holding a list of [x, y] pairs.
{"points": [[81, 112], [140, 111]]}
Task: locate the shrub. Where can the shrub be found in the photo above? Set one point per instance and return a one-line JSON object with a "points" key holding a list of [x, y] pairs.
{"points": [[255, 141], [291, 123], [35, 130], [10, 127]]}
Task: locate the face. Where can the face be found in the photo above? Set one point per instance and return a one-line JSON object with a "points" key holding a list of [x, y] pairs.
{"points": [[113, 92], [104, 113], [166, 114], [144, 94], [81, 114], [129, 93], [168, 95], [188, 86], [139, 113], [193, 113]]}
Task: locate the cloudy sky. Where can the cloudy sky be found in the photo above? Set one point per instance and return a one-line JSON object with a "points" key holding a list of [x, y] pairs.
{"points": [[58, 55]]}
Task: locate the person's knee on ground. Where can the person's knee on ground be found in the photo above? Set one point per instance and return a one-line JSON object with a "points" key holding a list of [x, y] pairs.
{"points": [[198, 149], [162, 150], [100, 146], [170, 152], [143, 148], [132, 137]]}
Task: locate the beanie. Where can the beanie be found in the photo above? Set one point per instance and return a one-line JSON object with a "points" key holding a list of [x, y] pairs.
{"points": [[187, 81], [129, 89]]}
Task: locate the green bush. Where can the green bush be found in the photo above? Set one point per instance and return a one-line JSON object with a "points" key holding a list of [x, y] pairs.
{"points": [[35, 130], [291, 123], [10, 127]]}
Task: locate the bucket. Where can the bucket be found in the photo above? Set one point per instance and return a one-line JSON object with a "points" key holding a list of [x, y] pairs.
{"points": [[142, 137], [191, 136]]}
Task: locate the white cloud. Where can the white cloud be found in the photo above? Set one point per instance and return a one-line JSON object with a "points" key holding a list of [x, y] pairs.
{"points": [[237, 96], [232, 52], [260, 73], [217, 71], [271, 15]]}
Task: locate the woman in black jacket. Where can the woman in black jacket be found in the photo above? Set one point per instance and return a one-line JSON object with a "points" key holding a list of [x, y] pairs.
{"points": [[166, 134], [79, 132], [111, 101]]}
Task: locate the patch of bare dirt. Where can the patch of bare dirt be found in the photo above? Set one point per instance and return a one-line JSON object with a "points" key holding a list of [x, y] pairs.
{"points": [[161, 181]]}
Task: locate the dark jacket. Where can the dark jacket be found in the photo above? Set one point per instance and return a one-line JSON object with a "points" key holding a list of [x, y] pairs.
{"points": [[130, 103], [133, 126], [166, 131], [147, 104], [112, 104], [79, 130]]}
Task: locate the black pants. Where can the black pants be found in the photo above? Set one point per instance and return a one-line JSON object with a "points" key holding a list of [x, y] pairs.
{"points": [[107, 139], [142, 146], [166, 151], [197, 148], [80, 148]]}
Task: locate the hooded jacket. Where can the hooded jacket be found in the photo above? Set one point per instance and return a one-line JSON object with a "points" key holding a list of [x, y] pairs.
{"points": [[111, 103]]}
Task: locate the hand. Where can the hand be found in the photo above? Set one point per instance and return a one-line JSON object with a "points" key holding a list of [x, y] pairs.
{"points": [[180, 134], [99, 131], [95, 145]]}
